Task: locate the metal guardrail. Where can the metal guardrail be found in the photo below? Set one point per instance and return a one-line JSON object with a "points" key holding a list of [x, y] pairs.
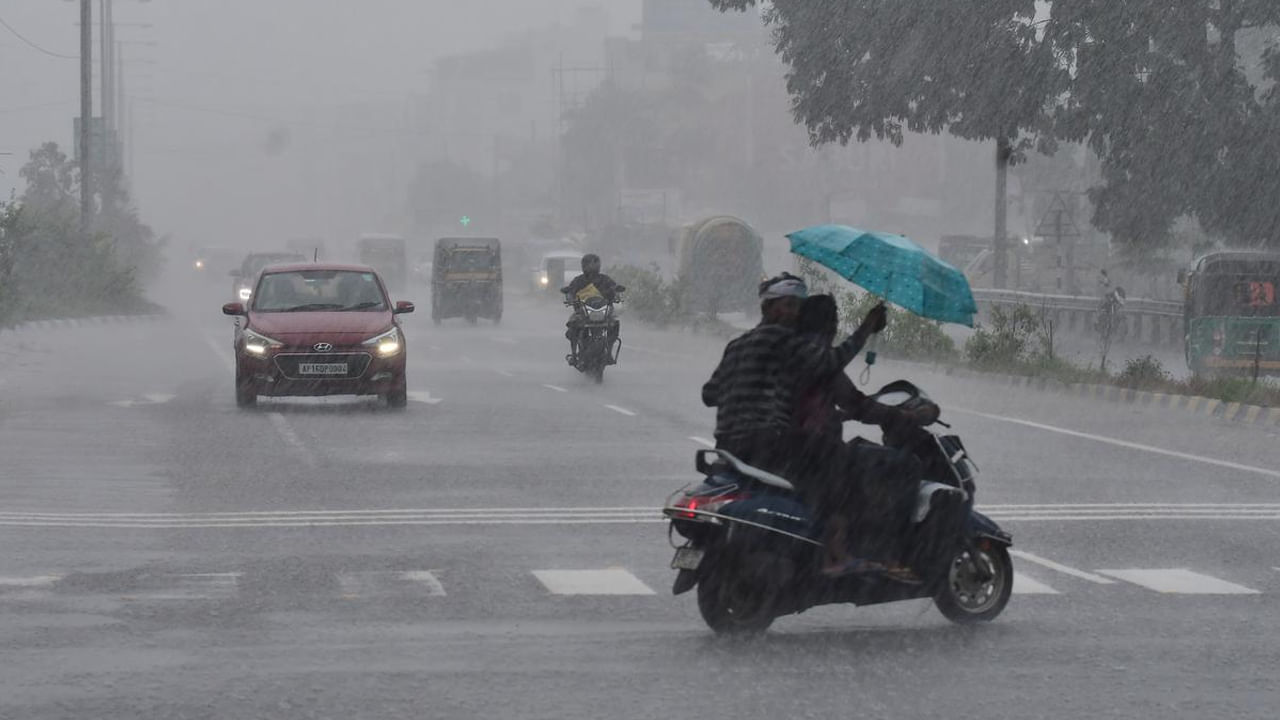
{"points": [[1074, 302], [1158, 322]]}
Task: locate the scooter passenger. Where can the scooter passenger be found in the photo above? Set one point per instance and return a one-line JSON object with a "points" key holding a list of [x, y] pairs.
{"points": [[872, 486]]}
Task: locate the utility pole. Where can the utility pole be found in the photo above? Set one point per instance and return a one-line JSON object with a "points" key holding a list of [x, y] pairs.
{"points": [[86, 114], [1000, 244], [106, 40]]}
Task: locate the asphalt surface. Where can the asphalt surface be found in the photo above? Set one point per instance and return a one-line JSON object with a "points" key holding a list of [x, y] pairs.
{"points": [[171, 556]]}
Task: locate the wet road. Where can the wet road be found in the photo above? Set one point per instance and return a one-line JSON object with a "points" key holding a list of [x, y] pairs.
{"points": [[494, 550]]}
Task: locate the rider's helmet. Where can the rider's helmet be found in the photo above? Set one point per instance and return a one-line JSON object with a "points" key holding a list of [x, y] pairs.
{"points": [[591, 263], [783, 286]]}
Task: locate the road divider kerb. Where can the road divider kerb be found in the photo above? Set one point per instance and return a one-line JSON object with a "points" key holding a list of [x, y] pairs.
{"points": [[95, 320], [1207, 407]]}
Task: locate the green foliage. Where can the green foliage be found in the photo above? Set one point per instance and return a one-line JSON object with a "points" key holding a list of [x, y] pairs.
{"points": [[649, 297], [906, 336], [49, 269], [1143, 373], [1014, 339], [1178, 100]]}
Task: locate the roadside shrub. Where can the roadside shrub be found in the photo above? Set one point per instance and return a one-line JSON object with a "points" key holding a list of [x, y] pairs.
{"points": [[649, 297], [1143, 373], [1015, 337], [907, 336]]}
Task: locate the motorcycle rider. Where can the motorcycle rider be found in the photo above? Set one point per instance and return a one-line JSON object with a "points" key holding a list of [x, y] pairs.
{"points": [[591, 283], [755, 386]]}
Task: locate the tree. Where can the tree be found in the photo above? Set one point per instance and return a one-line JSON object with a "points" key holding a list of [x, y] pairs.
{"points": [[1159, 92], [978, 69]]}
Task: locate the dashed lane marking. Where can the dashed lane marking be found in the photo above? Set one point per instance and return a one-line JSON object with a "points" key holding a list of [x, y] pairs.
{"points": [[612, 581], [1126, 444], [505, 373], [621, 410], [34, 581], [147, 399], [424, 396], [557, 388], [220, 352], [1023, 585], [358, 584], [286, 431], [1059, 567], [702, 441], [1179, 581]]}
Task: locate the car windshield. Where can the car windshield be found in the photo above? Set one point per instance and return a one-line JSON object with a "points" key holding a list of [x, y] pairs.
{"points": [[319, 290]]}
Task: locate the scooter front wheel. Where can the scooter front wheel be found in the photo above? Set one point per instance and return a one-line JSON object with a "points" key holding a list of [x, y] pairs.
{"points": [[969, 595]]}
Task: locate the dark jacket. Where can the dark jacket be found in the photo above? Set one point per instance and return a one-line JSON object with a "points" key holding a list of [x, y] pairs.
{"points": [[605, 284], [755, 386]]}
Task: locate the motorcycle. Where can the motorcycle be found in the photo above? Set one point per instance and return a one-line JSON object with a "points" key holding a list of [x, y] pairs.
{"points": [[598, 343], [754, 553]]}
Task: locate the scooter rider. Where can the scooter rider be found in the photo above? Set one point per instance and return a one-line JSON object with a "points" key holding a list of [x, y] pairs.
{"points": [[754, 387], [591, 283]]}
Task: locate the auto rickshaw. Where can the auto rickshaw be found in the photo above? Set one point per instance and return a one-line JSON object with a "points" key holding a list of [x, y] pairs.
{"points": [[555, 270], [466, 279]]}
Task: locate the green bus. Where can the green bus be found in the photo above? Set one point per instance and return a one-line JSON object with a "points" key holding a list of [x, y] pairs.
{"points": [[1230, 315]]}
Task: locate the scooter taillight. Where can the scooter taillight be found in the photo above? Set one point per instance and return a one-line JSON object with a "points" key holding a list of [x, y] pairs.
{"points": [[691, 506]]}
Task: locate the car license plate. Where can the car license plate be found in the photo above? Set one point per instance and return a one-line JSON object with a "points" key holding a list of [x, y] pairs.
{"points": [[322, 368], [687, 558]]}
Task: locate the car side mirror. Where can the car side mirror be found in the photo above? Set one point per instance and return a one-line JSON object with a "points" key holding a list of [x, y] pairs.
{"points": [[402, 307], [234, 308], [234, 273], [564, 290], [620, 288], [1182, 277]]}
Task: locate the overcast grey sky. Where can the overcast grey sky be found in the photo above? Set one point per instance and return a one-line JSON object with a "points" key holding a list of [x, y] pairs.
{"points": [[253, 61]]}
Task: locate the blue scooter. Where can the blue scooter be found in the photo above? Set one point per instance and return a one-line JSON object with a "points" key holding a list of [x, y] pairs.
{"points": [[754, 552]]}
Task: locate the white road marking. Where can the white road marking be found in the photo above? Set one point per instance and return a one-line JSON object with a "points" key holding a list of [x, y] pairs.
{"points": [[427, 578], [1179, 581], [659, 353], [621, 410], [1135, 511], [613, 581], [1023, 585], [557, 388], [1064, 569], [505, 373], [220, 351], [702, 441], [149, 399], [29, 582], [367, 583], [424, 396], [286, 431], [1125, 444], [187, 586]]}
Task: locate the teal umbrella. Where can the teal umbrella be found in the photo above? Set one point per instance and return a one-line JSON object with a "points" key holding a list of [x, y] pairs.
{"points": [[892, 267]]}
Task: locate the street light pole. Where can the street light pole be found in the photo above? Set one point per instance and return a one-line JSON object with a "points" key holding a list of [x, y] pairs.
{"points": [[86, 113]]}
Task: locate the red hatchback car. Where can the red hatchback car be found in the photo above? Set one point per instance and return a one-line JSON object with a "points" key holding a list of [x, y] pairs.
{"points": [[319, 329]]}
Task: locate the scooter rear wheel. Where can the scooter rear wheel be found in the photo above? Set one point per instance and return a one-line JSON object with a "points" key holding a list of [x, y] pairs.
{"points": [[968, 598], [732, 604]]}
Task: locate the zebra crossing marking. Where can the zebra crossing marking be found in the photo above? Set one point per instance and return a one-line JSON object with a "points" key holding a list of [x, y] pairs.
{"points": [[1179, 581], [611, 581]]}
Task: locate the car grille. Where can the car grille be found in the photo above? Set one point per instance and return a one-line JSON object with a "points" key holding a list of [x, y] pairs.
{"points": [[356, 364]]}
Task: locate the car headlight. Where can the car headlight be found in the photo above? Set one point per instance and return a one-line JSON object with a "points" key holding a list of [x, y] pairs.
{"points": [[257, 344], [199, 264], [387, 344], [246, 293], [544, 280]]}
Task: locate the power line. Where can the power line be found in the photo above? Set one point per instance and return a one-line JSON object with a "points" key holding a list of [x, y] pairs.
{"points": [[50, 53]]}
